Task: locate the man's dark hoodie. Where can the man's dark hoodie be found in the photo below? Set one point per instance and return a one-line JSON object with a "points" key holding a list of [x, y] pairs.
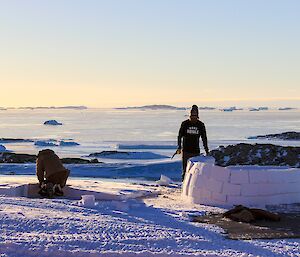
{"points": [[190, 131]]}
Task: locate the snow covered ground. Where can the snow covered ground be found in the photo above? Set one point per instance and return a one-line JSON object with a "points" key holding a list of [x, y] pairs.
{"points": [[156, 226]]}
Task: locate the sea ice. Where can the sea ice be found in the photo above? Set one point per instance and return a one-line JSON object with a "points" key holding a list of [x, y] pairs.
{"points": [[128, 155]]}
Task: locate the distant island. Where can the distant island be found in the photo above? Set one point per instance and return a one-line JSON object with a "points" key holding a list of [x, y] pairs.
{"points": [[290, 135], [152, 107], [71, 107], [286, 109], [14, 140], [163, 107]]}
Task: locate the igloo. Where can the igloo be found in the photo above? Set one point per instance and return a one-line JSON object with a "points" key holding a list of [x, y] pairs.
{"points": [[254, 186]]}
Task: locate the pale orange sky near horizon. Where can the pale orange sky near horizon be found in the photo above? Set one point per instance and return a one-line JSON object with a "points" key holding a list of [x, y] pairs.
{"points": [[124, 53]]}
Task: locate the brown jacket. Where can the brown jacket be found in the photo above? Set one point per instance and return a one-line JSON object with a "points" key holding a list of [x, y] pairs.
{"points": [[47, 164]]}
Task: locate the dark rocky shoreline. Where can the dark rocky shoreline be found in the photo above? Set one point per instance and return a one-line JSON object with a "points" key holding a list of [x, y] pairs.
{"points": [[240, 154], [257, 154], [7, 157]]}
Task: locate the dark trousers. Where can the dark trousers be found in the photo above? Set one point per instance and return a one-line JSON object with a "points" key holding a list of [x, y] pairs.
{"points": [[59, 178], [185, 157]]}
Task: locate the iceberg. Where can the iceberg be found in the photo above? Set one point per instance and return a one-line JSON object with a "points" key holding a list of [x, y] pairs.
{"points": [[264, 108], [68, 143], [230, 109], [52, 123], [53, 142], [2, 149], [142, 146], [46, 143], [128, 155]]}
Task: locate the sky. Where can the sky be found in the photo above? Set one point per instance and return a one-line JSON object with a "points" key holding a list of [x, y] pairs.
{"points": [[136, 52]]}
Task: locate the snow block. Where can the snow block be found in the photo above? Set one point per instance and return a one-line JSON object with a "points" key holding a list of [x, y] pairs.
{"points": [[292, 176], [12, 190], [239, 177], [231, 189], [220, 198], [220, 173], [258, 176], [206, 170], [214, 185], [260, 189], [276, 176]]}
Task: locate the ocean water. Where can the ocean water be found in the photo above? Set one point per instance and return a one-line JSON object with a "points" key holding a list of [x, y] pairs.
{"points": [[106, 129], [145, 134]]}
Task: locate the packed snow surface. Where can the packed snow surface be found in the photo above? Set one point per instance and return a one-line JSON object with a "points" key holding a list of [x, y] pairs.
{"points": [[157, 226]]}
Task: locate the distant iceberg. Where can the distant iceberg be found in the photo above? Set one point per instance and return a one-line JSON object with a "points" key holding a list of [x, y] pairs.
{"points": [[128, 155], [230, 109], [53, 142], [46, 143], [68, 143], [2, 149], [52, 123], [258, 109], [264, 108], [207, 108], [153, 107], [254, 110]]}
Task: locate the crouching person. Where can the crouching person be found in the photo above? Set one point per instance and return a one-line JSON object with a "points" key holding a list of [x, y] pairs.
{"points": [[51, 173]]}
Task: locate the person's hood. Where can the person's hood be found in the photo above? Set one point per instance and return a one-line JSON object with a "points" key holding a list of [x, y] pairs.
{"points": [[45, 152]]}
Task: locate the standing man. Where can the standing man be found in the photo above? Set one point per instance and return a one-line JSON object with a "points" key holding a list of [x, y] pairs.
{"points": [[190, 131]]}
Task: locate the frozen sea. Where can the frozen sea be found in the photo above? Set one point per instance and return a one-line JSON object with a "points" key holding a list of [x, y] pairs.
{"points": [[150, 133]]}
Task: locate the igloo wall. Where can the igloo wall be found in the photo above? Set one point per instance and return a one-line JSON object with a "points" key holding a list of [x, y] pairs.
{"points": [[257, 186]]}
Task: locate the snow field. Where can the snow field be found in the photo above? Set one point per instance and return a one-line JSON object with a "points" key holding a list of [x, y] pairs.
{"points": [[156, 226]]}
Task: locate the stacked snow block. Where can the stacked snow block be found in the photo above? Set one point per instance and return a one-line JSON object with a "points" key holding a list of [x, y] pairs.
{"points": [[13, 190], [253, 186]]}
